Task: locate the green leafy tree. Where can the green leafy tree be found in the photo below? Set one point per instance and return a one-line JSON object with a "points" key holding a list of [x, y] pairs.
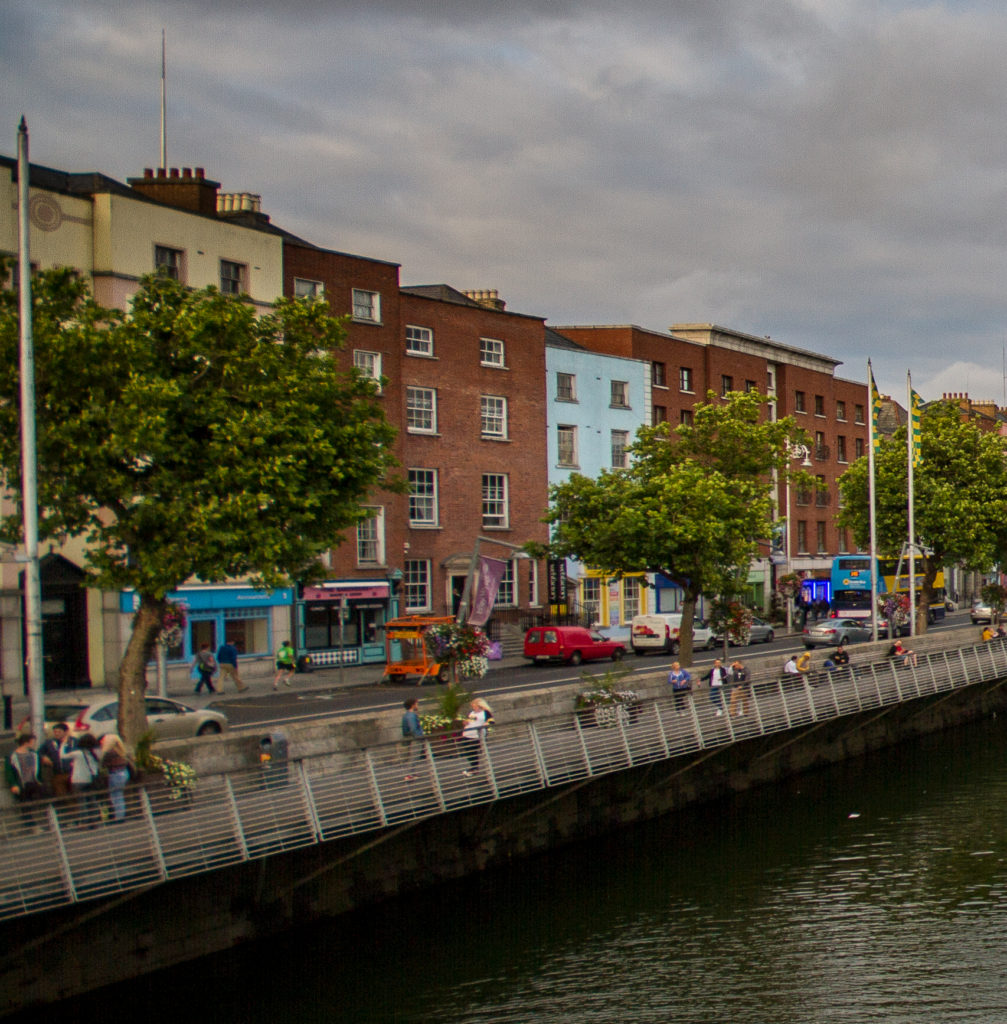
{"points": [[189, 438], [961, 492], [693, 504]]}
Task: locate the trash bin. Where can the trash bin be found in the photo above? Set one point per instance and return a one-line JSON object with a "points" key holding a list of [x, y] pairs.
{"points": [[304, 663], [274, 754]]}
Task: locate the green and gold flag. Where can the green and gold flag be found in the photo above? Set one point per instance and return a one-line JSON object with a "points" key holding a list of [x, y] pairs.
{"points": [[915, 412], [875, 408]]}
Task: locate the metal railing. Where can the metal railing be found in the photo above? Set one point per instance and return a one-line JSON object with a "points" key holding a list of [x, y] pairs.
{"points": [[58, 852]]}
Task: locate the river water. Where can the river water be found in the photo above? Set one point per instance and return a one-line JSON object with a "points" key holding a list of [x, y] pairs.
{"points": [[870, 892]]}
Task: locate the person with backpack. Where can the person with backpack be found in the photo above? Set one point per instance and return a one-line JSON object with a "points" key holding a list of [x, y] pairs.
{"points": [[205, 664]]}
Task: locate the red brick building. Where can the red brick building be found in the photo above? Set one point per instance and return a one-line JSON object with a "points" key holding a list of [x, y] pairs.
{"points": [[463, 382], [694, 359]]}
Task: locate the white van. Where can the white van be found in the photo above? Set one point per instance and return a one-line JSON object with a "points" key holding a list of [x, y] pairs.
{"points": [[658, 632]]}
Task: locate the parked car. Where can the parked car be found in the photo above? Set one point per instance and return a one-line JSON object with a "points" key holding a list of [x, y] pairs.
{"points": [[572, 644], [980, 612], [758, 633], [168, 719], [832, 632], [659, 632]]}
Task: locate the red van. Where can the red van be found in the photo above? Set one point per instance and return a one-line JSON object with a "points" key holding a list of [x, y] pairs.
{"points": [[572, 644]]}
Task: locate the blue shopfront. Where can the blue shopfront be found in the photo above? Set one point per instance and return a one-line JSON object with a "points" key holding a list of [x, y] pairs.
{"points": [[250, 619]]}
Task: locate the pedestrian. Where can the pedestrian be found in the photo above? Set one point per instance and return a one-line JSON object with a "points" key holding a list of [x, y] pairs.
{"points": [[413, 747], [205, 664], [716, 677], [227, 659], [841, 656], [681, 684], [84, 770], [21, 769], [790, 668], [804, 663], [54, 757], [116, 762], [285, 664], [739, 688], [479, 719]]}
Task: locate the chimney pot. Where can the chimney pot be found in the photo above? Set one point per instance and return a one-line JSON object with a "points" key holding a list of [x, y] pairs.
{"points": [[200, 173], [162, 173], [186, 172], [173, 172], [148, 172]]}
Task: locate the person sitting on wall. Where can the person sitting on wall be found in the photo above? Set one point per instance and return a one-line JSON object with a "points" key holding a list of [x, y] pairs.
{"points": [[841, 656], [898, 651], [987, 633]]}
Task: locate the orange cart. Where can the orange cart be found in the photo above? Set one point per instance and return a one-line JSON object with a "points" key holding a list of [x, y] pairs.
{"points": [[413, 658]]}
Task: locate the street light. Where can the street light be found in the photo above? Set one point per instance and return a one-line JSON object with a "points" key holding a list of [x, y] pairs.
{"points": [[794, 452], [463, 608]]}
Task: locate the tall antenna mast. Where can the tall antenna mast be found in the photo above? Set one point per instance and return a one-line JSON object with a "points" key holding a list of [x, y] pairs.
{"points": [[164, 128]]}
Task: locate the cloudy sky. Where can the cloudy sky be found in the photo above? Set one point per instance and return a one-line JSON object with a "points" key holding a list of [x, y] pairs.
{"points": [[831, 173]]}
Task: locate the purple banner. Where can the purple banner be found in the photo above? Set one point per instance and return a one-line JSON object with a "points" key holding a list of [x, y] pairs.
{"points": [[491, 571]]}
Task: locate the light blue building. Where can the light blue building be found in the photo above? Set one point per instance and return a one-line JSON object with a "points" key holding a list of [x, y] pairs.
{"points": [[596, 403]]}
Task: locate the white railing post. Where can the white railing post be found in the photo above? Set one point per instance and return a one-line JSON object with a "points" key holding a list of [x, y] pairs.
{"points": [[375, 789], [64, 860], [538, 757], [155, 839], [232, 803], [309, 801]]}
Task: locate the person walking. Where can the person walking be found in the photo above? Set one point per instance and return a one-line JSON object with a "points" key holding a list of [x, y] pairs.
{"points": [[739, 688], [413, 747], [285, 664], [716, 677], [205, 664], [227, 659], [681, 683], [479, 719]]}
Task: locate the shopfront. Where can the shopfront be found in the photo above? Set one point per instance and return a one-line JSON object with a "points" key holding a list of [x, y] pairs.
{"points": [[250, 619], [342, 621]]}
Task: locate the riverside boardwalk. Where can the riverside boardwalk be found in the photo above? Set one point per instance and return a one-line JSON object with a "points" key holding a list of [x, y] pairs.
{"points": [[319, 794]]}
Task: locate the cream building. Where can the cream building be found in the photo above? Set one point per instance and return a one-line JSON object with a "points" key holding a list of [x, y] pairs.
{"points": [[115, 233]]}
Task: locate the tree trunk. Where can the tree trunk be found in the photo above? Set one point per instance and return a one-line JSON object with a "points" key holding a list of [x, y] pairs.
{"points": [[926, 596], [685, 630], [132, 722]]}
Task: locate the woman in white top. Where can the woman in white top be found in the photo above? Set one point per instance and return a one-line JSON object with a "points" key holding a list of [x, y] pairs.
{"points": [[474, 732], [83, 774]]}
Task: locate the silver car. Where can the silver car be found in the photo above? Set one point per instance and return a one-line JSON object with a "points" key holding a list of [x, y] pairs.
{"points": [[832, 632], [759, 632], [980, 612], [168, 719]]}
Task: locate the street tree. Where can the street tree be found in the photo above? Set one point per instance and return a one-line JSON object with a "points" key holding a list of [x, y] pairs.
{"points": [[692, 505], [189, 438], [960, 485]]}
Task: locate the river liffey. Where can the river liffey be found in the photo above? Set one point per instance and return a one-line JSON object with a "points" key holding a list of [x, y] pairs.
{"points": [[872, 892]]}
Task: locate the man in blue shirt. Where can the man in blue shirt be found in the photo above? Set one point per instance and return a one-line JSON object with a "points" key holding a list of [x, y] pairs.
{"points": [[413, 746], [227, 659], [681, 683]]}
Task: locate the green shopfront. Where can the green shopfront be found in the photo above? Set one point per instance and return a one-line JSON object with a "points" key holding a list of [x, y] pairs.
{"points": [[342, 621]]}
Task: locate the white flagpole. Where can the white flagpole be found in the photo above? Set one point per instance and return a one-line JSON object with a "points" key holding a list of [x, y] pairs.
{"points": [[912, 529], [870, 475], [164, 107]]}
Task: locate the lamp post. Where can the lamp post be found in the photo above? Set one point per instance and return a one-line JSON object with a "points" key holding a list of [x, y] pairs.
{"points": [[466, 602], [803, 452]]}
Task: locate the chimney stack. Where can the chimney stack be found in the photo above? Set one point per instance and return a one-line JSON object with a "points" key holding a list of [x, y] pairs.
{"points": [[181, 189], [488, 297]]}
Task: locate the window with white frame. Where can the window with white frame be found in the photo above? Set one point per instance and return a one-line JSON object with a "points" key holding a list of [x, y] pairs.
{"points": [[371, 538], [566, 387], [423, 497], [590, 600], [419, 340], [630, 598], [620, 441], [369, 364], [491, 352], [421, 410], [416, 584], [169, 262], [307, 289], [496, 513], [366, 306], [493, 414], [233, 277], [507, 592], [566, 440], [620, 394]]}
